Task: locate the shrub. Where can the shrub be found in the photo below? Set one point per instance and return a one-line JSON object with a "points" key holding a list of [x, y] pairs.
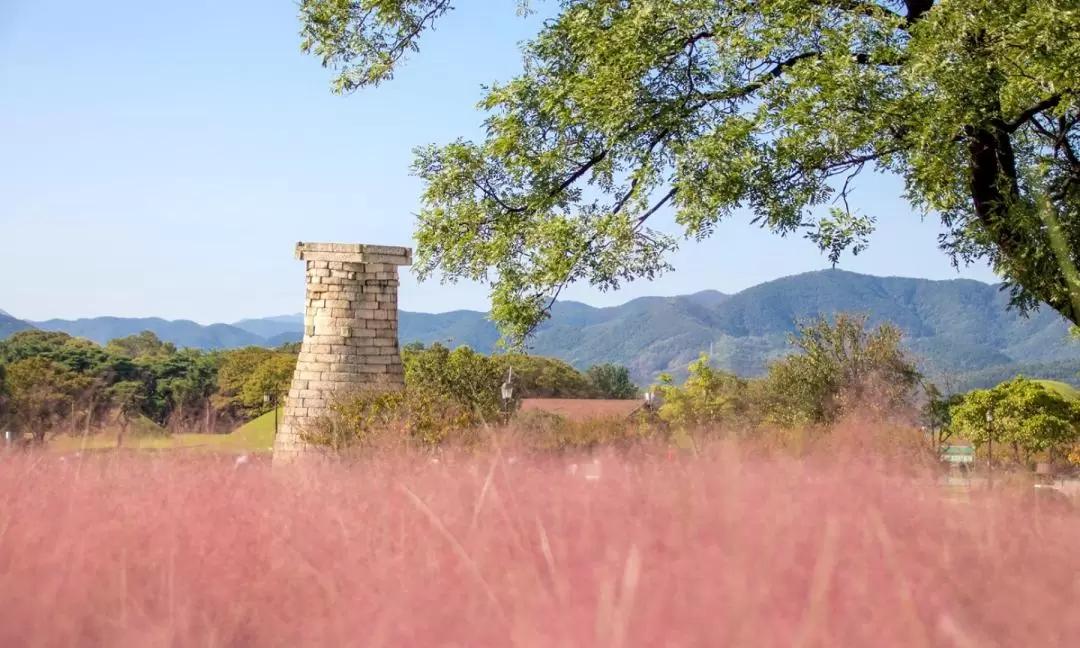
{"points": [[413, 417]]}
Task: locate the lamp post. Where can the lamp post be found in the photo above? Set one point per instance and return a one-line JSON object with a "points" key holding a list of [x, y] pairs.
{"points": [[507, 393], [989, 449], [267, 399]]}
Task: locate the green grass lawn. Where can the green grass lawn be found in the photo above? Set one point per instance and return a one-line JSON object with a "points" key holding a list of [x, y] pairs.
{"points": [[254, 436], [1065, 389]]}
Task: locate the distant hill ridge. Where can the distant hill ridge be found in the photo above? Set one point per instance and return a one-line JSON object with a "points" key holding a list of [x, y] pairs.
{"points": [[956, 326]]}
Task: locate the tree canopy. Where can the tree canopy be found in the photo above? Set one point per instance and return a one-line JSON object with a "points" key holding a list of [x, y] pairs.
{"points": [[838, 365], [1025, 415], [707, 108]]}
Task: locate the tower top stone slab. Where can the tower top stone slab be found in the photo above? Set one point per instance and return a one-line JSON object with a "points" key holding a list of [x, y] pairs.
{"points": [[354, 253]]}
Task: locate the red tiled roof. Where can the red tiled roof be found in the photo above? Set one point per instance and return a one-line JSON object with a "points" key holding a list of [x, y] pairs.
{"points": [[581, 409]]}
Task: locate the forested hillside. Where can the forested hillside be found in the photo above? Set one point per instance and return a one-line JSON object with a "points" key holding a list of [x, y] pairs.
{"points": [[955, 327]]}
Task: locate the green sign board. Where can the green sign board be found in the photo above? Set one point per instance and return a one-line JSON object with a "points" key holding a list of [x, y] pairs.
{"points": [[958, 454]]}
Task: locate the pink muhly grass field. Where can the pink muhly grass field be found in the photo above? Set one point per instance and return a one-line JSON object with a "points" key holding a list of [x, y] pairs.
{"points": [[723, 550]]}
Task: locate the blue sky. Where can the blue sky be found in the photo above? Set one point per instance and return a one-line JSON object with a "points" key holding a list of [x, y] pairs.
{"points": [[162, 159]]}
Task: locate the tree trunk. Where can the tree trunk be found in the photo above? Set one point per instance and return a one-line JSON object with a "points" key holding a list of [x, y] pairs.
{"points": [[995, 188]]}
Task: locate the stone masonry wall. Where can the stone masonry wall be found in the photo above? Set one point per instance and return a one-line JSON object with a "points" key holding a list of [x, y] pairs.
{"points": [[350, 332]]}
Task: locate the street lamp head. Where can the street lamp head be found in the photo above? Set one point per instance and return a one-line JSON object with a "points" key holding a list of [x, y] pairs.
{"points": [[266, 398], [507, 391], [989, 416]]}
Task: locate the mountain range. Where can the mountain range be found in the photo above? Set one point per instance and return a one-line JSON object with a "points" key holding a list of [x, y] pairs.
{"points": [[956, 327]]}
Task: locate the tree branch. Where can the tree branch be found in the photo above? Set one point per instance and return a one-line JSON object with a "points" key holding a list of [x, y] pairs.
{"points": [[588, 245], [758, 83], [1027, 115], [866, 8], [582, 170], [776, 72], [634, 183], [652, 210], [490, 193]]}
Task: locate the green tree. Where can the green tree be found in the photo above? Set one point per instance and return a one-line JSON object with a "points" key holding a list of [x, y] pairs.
{"points": [[612, 381], [937, 413], [5, 399], [237, 366], [270, 378], [707, 397], [184, 382], [706, 108], [143, 346], [289, 347], [1028, 418], [467, 378], [540, 377], [838, 365], [413, 347], [95, 367], [128, 399], [41, 393], [78, 355]]}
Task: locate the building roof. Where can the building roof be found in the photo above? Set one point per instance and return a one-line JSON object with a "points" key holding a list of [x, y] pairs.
{"points": [[581, 409]]}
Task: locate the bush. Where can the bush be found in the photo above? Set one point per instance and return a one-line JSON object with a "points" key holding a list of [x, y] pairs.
{"points": [[412, 417]]}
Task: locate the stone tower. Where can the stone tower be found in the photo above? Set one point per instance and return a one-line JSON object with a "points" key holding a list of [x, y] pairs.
{"points": [[350, 332]]}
